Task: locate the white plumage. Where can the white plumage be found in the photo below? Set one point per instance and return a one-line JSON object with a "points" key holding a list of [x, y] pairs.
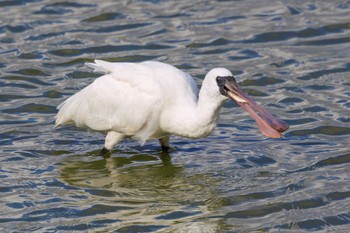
{"points": [[147, 100]]}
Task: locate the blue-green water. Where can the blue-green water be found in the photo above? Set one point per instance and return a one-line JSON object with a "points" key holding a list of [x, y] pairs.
{"points": [[291, 56]]}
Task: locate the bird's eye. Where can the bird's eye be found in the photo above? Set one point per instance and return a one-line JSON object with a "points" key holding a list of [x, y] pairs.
{"points": [[220, 80]]}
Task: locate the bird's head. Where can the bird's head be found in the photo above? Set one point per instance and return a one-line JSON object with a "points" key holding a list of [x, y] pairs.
{"points": [[226, 86]]}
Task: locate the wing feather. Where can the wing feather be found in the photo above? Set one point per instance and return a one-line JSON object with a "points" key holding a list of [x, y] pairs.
{"points": [[110, 104], [135, 99]]}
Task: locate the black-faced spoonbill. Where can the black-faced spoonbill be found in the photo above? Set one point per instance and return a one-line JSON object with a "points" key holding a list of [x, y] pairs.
{"points": [[152, 100]]}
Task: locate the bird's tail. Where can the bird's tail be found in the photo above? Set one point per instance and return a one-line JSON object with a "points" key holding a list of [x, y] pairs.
{"points": [[100, 66]]}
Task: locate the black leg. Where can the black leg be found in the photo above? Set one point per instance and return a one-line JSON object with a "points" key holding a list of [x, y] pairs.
{"points": [[104, 151], [165, 148], [164, 143]]}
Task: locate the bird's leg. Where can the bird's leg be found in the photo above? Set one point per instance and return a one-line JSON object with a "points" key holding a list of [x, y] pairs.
{"points": [[104, 152], [164, 142], [111, 140]]}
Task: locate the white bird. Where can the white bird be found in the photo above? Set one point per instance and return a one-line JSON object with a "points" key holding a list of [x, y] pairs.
{"points": [[153, 100]]}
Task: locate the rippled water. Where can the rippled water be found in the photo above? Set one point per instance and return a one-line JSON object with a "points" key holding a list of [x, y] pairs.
{"points": [[291, 56]]}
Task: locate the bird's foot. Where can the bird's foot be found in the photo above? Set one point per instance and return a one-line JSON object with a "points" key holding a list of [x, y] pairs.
{"points": [[104, 152], [168, 149]]}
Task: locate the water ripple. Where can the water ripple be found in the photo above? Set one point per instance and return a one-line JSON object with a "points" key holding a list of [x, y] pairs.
{"points": [[291, 57]]}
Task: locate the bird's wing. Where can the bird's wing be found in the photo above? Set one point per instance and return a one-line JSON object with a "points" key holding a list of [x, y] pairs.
{"points": [[113, 102]]}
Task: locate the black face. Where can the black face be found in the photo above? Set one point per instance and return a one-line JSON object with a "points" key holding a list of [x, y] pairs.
{"points": [[222, 81]]}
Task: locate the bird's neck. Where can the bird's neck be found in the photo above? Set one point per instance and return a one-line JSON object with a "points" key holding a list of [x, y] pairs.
{"points": [[207, 114], [201, 120]]}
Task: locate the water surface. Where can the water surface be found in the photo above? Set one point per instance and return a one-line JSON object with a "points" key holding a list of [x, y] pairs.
{"points": [[291, 56]]}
